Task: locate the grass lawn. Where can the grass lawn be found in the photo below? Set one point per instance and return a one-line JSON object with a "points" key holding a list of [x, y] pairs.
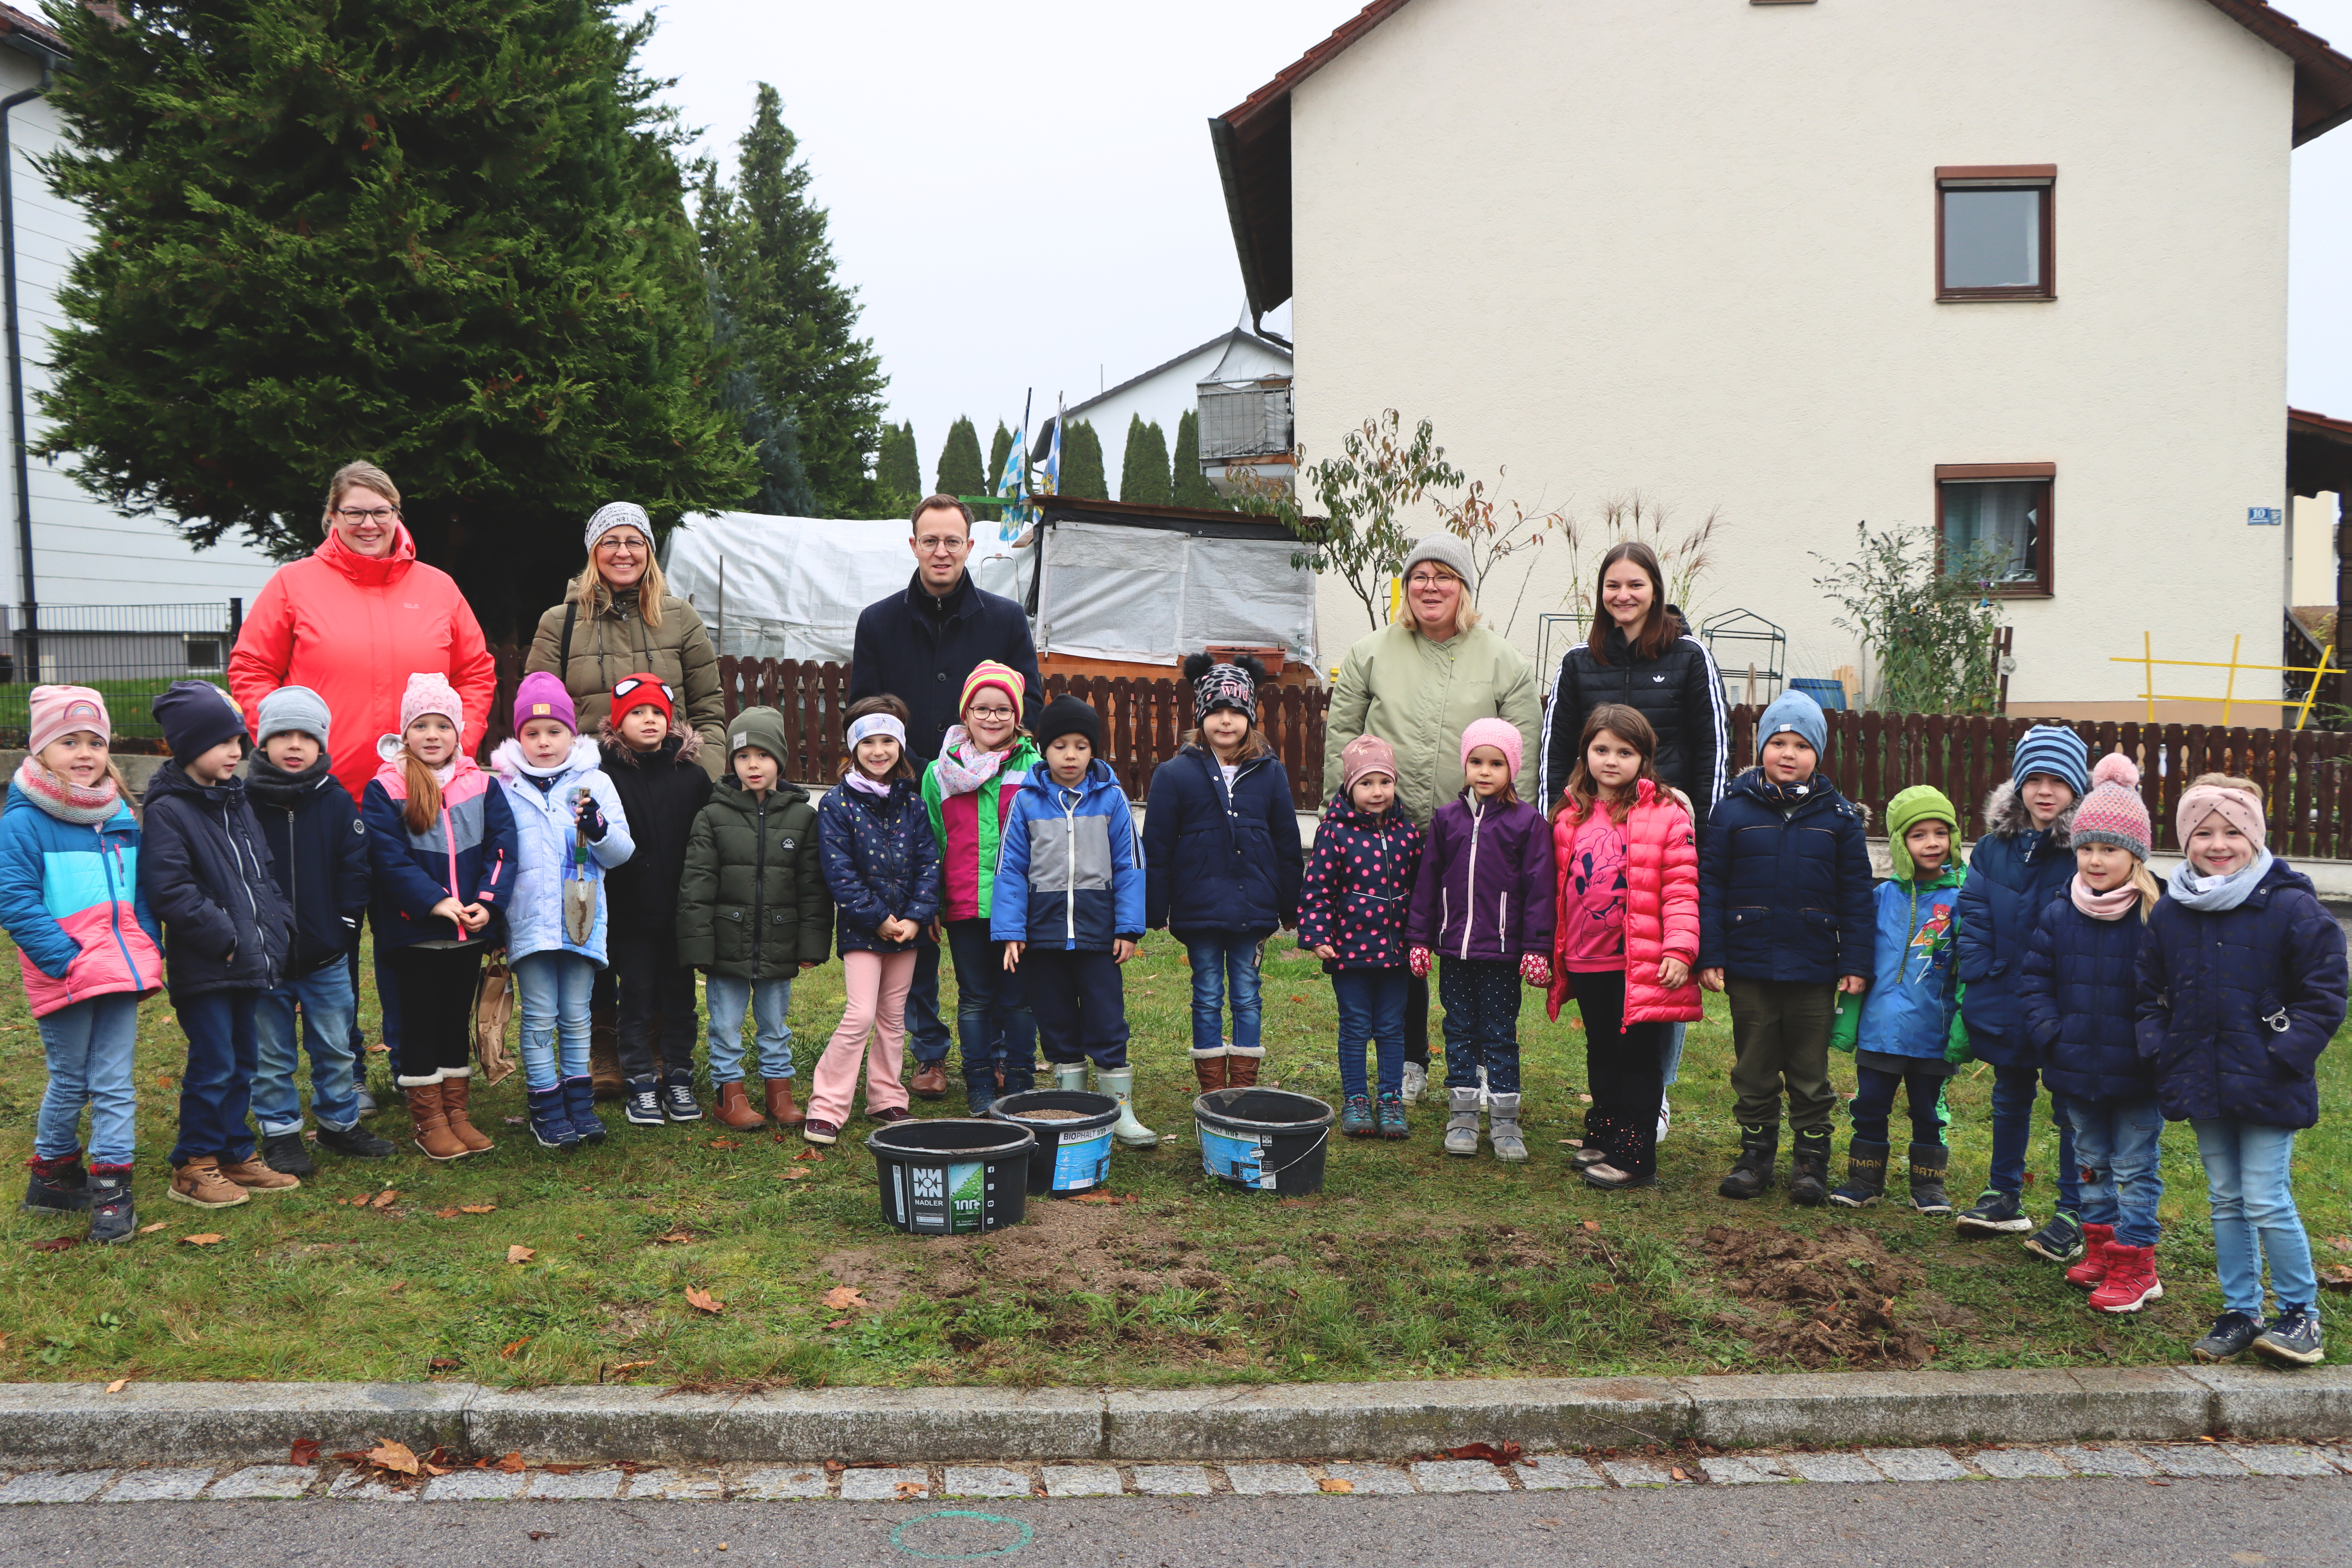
{"points": [[129, 703], [1408, 1265]]}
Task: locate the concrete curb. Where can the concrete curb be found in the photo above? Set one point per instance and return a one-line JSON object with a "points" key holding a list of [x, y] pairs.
{"points": [[72, 1424]]}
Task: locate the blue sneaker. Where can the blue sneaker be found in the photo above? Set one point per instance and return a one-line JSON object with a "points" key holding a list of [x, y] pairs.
{"points": [[1356, 1118], [579, 1109], [549, 1123], [2228, 1338], [2292, 1339]]}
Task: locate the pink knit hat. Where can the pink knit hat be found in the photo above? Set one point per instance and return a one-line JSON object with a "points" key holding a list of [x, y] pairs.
{"points": [[59, 710], [542, 696], [2240, 809], [1363, 757], [2113, 813], [1499, 734], [431, 693]]}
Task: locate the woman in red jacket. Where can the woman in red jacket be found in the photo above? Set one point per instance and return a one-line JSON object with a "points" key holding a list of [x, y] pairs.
{"points": [[1625, 934]]}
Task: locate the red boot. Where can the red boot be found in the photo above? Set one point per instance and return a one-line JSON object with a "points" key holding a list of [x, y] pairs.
{"points": [[2131, 1282], [2086, 1275]]}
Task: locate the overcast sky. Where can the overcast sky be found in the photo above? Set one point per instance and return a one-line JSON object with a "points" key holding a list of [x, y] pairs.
{"points": [[1024, 194]]}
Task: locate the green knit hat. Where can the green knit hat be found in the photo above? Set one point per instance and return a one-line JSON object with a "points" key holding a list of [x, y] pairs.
{"points": [[1920, 802], [760, 727]]}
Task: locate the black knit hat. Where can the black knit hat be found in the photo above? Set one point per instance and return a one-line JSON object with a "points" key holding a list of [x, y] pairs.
{"points": [[1068, 716], [195, 716]]}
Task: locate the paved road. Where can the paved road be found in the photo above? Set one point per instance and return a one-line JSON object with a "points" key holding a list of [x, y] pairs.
{"points": [[2015, 1524]]}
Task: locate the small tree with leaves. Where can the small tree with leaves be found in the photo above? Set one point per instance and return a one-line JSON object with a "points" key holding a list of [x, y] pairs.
{"points": [[1927, 624], [1498, 532], [1082, 463], [1359, 538]]}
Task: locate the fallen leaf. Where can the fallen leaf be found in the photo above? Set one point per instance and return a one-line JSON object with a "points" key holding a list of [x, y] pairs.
{"points": [[397, 1458], [1678, 1473], [540, 1534], [834, 1467], [152, 1229], [163, 1080], [676, 1237], [396, 1287], [304, 1452], [724, 1143], [790, 1175], [1602, 1287], [1593, 1225], [704, 1301], [845, 1297], [511, 1463], [203, 1239], [627, 1366], [808, 1154], [1099, 1196], [1493, 1452], [2340, 1243], [383, 1199], [1298, 998], [443, 1363], [54, 1244], [477, 1208], [2336, 1279], [507, 1353], [907, 1489], [521, 1254], [561, 1469], [118, 1385], [445, 1213], [1331, 1484]]}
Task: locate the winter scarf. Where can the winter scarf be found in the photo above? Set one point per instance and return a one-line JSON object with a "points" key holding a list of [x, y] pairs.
{"points": [[2108, 906], [86, 804], [963, 766], [271, 784], [855, 779], [2214, 894]]}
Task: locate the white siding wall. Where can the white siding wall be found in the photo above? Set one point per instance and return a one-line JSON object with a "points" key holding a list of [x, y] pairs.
{"points": [[1688, 246]]}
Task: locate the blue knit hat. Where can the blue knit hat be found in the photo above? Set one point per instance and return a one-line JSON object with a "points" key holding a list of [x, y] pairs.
{"points": [[2057, 751], [1795, 710]]}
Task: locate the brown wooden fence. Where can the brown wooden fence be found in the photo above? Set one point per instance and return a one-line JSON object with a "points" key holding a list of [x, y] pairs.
{"points": [[2306, 777]]}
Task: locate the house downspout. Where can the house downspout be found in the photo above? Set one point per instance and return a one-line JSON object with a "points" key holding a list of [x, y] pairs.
{"points": [[27, 590]]}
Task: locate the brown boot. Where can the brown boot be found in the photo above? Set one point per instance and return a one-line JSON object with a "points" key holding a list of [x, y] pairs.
{"points": [[200, 1183], [1212, 1068], [734, 1108], [781, 1109], [456, 1086], [254, 1176], [1241, 1066], [433, 1134], [930, 1082], [604, 1052]]}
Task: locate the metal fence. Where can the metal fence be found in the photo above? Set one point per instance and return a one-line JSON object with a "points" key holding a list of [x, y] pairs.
{"points": [[127, 652]]}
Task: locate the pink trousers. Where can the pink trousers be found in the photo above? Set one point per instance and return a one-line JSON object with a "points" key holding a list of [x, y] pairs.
{"points": [[877, 984]]}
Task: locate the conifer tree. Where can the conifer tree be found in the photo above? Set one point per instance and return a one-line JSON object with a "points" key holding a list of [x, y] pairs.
{"points": [[999, 447], [1082, 463], [449, 235], [897, 472], [1192, 487], [1143, 474], [960, 472]]}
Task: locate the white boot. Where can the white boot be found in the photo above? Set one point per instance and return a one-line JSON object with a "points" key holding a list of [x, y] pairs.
{"points": [[1068, 1076], [1416, 1078], [1462, 1124], [1128, 1130], [1503, 1128]]}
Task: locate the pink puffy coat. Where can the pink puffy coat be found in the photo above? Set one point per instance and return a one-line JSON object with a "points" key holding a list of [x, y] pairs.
{"points": [[1661, 908]]}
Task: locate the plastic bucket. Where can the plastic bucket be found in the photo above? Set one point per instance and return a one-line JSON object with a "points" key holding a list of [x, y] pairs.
{"points": [[1073, 1154], [1269, 1140], [952, 1177]]}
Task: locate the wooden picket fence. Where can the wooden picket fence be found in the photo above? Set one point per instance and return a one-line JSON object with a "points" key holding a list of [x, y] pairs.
{"points": [[2306, 776]]}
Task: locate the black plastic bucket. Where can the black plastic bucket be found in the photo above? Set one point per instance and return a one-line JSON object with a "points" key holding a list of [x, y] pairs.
{"points": [[952, 1177], [1073, 1155], [1268, 1140]]}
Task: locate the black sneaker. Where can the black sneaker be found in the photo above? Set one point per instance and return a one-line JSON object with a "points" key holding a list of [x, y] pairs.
{"points": [[640, 1104], [1993, 1214], [355, 1143], [678, 1100], [2060, 1241], [111, 1217], [2292, 1339], [285, 1154], [2228, 1338]]}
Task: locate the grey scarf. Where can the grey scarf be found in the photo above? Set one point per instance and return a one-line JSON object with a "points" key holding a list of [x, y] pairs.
{"points": [[2215, 894]]}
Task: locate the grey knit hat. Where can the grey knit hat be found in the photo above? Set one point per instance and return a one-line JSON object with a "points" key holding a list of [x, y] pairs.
{"points": [[615, 514], [1445, 550], [294, 707]]}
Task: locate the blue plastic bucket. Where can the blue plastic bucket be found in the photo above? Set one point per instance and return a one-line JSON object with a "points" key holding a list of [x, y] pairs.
{"points": [[1267, 1139], [1073, 1154]]}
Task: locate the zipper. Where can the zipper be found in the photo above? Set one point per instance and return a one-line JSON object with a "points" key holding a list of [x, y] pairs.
{"points": [[1070, 875], [244, 854], [759, 884], [114, 901], [1470, 882], [293, 878], [450, 843]]}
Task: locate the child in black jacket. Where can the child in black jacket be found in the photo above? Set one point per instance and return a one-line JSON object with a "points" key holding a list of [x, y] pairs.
{"points": [[319, 859], [205, 873]]}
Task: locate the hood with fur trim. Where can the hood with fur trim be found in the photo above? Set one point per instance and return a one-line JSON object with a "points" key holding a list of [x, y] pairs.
{"points": [[690, 744], [2005, 816]]}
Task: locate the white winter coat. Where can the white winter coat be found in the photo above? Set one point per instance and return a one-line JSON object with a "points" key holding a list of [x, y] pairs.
{"points": [[543, 829]]}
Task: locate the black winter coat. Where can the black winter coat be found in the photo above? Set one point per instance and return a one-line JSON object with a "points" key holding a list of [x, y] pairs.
{"points": [[2236, 1005], [1784, 886], [2015, 871], [753, 905], [661, 792], [205, 871], [1678, 693], [921, 649], [319, 854], [880, 863], [2078, 988], [1215, 866]]}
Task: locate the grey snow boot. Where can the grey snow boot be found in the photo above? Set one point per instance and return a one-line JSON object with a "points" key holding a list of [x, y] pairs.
{"points": [[1503, 1128], [1462, 1123]]}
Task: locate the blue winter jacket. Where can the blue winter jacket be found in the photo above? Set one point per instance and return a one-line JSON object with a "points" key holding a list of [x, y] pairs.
{"points": [[1784, 884], [1217, 866], [2015, 871], [545, 836], [205, 871], [70, 897], [2076, 990], [318, 852], [468, 854], [1067, 872], [2234, 1007], [880, 863], [1912, 1005]]}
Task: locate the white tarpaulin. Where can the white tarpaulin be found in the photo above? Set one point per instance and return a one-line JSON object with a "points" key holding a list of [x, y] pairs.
{"points": [[1151, 595]]}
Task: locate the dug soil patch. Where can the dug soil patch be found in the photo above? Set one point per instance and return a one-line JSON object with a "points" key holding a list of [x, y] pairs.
{"points": [[1838, 1296], [1064, 1247]]}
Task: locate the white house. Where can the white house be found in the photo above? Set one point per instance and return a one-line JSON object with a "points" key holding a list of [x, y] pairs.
{"points": [[2013, 270], [1166, 393]]}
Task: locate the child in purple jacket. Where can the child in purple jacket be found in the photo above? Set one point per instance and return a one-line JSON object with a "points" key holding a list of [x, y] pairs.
{"points": [[1483, 901]]}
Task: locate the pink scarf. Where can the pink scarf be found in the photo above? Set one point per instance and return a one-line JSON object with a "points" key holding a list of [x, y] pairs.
{"points": [[88, 804], [2111, 906], [963, 766]]}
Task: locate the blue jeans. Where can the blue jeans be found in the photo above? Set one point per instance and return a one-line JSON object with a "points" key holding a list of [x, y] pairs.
{"points": [[216, 1089], [89, 1047], [2116, 1142], [2014, 1091], [552, 990], [927, 1038], [725, 1000], [2247, 1177], [1371, 1008], [1670, 1063], [1481, 997], [325, 998], [993, 1016], [1215, 962]]}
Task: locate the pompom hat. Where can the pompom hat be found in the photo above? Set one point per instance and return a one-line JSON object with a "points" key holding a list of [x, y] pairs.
{"points": [[2113, 813], [430, 692]]}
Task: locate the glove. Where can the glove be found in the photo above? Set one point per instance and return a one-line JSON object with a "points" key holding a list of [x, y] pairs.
{"points": [[590, 821], [1535, 969], [1417, 960]]}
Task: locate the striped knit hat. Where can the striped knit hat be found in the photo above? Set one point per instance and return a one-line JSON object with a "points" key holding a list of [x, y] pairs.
{"points": [[2057, 751], [988, 672], [2113, 813]]}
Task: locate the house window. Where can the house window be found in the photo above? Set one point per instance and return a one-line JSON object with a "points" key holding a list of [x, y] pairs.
{"points": [[1997, 514], [1994, 233]]}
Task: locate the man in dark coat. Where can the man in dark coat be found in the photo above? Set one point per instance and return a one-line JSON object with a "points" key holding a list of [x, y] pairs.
{"points": [[919, 645]]}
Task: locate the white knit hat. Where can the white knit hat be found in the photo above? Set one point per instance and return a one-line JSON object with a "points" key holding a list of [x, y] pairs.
{"points": [[615, 514]]}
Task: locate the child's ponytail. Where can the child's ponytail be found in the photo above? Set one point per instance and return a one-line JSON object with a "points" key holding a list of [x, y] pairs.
{"points": [[424, 793]]}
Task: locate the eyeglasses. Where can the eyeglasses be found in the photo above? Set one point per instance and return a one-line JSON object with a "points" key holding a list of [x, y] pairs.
{"points": [[1430, 579], [624, 541], [933, 543], [356, 515], [988, 712]]}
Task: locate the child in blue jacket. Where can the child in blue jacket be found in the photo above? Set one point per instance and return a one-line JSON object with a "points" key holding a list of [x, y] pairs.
{"points": [[2023, 861], [1905, 1033], [1785, 926], [1223, 861], [1069, 907]]}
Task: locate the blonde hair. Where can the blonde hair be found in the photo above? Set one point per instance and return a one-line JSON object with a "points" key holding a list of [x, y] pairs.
{"points": [[2143, 881], [1466, 613], [650, 589], [357, 476], [2227, 781]]}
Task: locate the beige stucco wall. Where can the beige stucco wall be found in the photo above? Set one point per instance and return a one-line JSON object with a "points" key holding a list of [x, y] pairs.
{"points": [[1687, 245], [2315, 547]]}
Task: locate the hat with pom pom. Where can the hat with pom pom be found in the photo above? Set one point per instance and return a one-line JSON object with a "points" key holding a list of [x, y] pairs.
{"points": [[2113, 813]]}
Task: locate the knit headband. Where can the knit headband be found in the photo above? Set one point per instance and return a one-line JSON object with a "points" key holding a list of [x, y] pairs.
{"points": [[1226, 686], [2235, 806], [878, 724], [617, 514]]}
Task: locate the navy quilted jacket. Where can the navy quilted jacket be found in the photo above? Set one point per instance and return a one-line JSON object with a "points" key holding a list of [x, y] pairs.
{"points": [[1784, 886], [2076, 987], [1216, 867], [2015, 871], [880, 862]]}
